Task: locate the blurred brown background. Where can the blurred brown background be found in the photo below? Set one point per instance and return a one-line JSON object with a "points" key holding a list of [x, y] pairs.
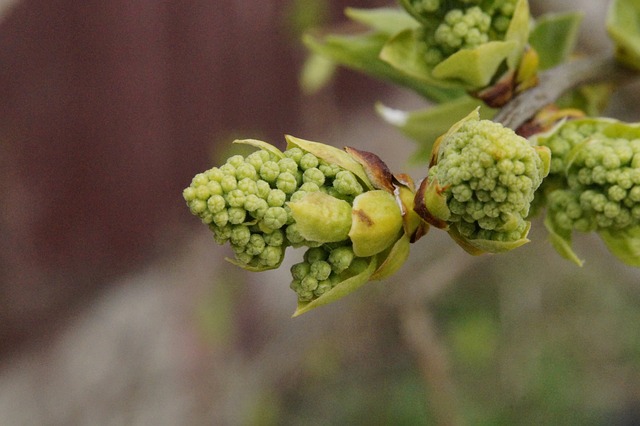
{"points": [[108, 108], [115, 304]]}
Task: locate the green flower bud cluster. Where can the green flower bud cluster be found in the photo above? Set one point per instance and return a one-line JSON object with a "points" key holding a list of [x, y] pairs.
{"points": [[565, 138], [594, 185], [450, 26], [245, 201], [482, 182], [354, 216], [603, 186]]}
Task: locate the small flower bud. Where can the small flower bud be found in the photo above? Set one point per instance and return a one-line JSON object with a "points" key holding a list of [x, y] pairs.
{"points": [[269, 171], [287, 182], [274, 218], [320, 270], [340, 258]]}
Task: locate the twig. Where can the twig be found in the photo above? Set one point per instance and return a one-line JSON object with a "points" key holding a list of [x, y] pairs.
{"points": [[424, 280], [556, 81], [419, 331]]}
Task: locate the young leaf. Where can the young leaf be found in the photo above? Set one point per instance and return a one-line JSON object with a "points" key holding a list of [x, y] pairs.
{"points": [[361, 53], [561, 241], [554, 37], [625, 244], [623, 26], [425, 125], [476, 67], [385, 20]]}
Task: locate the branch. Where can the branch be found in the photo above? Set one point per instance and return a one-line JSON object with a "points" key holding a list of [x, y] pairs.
{"points": [[419, 330], [556, 81]]}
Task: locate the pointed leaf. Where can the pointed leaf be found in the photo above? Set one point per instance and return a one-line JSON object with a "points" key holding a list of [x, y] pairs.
{"points": [[361, 53], [554, 37], [261, 145], [425, 125], [518, 32], [480, 246], [385, 19], [561, 241], [316, 73], [393, 260], [623, 26], [406, 53], [475, 68]]}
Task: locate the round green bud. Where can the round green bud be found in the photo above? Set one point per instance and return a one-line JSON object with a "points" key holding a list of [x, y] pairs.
{"points": [[248, 186], [271, 256], [221, 218], [300, 270], [199, 179], [240, 235], [274, 218], [288, 165], [221, 234], [214, 188], [313, 175], [276, 198], [197, 206], [297, 196], [329, 170], [634, 194], [255, 205], [308, 187], [323, 287], [235, 198], [275, 238], [207, 218], [246, 171], [189, 194], [256, 245], [257, 159], [202, 192], [244, 258], [263, 189], [228, 169], [237, 215], [228, 183], [286, 182], [294, 153], [216, 203], [214, 174], [346, 183], [320, 270], [308, 161], [235, 160], [315, 254], [340, 258], [269, 171], [309, 283], [293, 234]]}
